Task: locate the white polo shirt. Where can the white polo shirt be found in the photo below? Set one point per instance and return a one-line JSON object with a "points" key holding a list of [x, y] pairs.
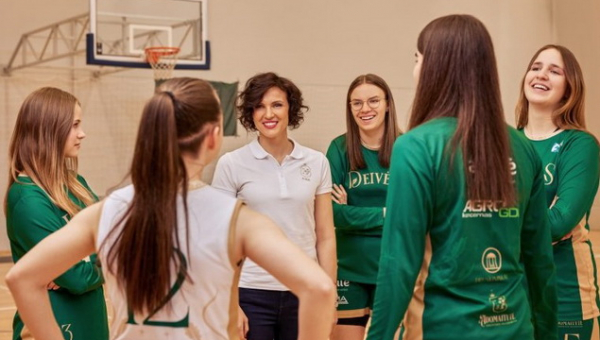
{"points": [[284, 192]]}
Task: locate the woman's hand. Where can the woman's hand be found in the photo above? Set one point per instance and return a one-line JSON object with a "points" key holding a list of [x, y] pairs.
{"points": [[338, 194], [52, 286], [242, 324]]}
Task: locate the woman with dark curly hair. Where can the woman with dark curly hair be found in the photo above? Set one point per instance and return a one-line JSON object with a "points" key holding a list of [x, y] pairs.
{"points": [[289, 183]]}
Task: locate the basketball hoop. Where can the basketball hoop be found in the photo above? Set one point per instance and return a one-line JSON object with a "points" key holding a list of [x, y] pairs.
{"points": [[162, 59]]}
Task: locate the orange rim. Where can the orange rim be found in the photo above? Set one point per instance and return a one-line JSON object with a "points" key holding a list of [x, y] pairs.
{"points": [[153, 54]]}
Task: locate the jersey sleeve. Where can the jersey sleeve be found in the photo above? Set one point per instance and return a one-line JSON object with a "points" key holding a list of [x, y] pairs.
{"points": [[34, 219], [348, 217], [578, 171], [408, 205], [538, 259], [224, 179]]}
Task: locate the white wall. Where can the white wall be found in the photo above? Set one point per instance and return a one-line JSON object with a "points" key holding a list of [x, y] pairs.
{"points": [[322, 45]]}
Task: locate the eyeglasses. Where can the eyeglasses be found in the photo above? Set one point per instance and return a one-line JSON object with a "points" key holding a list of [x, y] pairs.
{"points": [[357, 105]]}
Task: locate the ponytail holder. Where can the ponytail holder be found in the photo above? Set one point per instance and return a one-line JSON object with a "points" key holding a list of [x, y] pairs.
{"points": [[176, 106], [171, 95]]}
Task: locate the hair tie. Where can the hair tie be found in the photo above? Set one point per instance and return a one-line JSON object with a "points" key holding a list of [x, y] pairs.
{"points": [[171, 95], [176, 105]]}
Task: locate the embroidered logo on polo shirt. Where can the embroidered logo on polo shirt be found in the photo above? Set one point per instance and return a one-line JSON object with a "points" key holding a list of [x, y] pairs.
{"points": [[305, 172]]}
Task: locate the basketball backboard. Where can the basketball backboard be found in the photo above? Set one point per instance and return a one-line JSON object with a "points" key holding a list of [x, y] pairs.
{"points": [[120, 31]]}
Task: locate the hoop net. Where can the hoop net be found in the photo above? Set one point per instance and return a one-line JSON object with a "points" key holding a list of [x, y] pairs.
{"points": [[162, 59]]}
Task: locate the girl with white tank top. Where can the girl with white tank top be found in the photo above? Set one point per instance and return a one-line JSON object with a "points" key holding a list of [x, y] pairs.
{"points": [[171, 248]]}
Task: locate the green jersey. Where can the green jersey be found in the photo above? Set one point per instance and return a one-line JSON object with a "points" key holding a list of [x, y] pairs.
{"points": [[463, 262], [358, 224], [78, 305], [570, 161]]}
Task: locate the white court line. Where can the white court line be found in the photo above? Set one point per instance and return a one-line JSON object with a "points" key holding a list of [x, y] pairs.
{"points": [[3, 287], [7, 308]]}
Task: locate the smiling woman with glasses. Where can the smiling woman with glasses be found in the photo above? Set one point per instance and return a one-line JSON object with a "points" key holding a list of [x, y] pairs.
{"points": [[357, 105], [359, 161]]}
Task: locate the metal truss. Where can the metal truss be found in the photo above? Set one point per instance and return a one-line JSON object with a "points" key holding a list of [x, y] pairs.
{"points": [[66, 38], [60, 40]]}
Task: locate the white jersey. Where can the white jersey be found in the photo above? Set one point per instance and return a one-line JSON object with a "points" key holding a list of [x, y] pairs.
{"points": [[204, 309]]}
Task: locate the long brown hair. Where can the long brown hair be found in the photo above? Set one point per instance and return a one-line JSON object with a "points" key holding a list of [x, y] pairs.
{"points": [[390, 133], [459, 79], [37, 148], [571, 112], [175, 121]]}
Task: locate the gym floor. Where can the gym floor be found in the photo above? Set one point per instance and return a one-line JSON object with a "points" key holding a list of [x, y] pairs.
{"points": [[7, 306]]}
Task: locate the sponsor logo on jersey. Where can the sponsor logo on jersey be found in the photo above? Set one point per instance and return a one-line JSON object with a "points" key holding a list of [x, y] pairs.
{"points": [[556, 147], [499, 304], [487, 209], [512, 166], [342, 300], [305, 172], [499, 318], [549, 173], [357, 179], [491, 260], [494, 278], [343, 283]]}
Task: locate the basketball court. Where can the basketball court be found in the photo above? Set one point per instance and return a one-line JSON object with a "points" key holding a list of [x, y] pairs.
{"points": [[7, 307], [112, 57]]}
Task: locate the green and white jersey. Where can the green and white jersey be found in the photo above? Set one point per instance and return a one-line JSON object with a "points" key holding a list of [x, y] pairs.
{"points": [[78, 305], [463, 262], [571, 170], [358, 224]]}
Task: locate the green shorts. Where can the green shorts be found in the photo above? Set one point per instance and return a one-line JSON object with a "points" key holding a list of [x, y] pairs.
{"points": [[354, 299]]}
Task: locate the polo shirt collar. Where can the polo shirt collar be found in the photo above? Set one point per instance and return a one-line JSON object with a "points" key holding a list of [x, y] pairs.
{"points": [[260, 153]]}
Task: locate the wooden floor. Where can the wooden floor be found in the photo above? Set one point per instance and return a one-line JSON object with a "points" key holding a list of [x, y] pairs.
{"points": [[7, 306]]}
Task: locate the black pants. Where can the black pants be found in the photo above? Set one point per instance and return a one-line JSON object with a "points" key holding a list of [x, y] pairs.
{"points": [[272, 314]]}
